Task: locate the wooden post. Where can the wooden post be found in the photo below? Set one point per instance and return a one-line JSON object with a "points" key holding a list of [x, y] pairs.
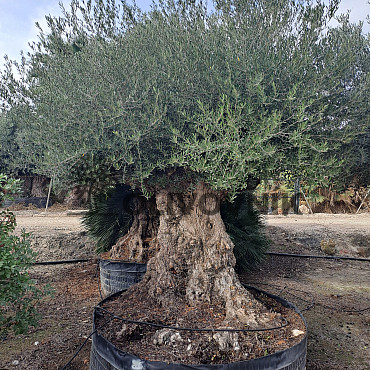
{"points": [[296, 196], [363, 200], [47, 200]]}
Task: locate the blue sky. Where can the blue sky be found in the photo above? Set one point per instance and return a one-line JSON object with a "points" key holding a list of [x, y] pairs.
{"points": [[17, 22], [18, 17]]}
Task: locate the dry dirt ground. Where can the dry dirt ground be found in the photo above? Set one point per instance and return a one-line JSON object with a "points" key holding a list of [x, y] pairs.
{"points": [[334, 295]]}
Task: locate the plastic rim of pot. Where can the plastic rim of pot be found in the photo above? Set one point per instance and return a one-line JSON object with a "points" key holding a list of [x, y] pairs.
{"points": [[116, 276], [104, 355]]}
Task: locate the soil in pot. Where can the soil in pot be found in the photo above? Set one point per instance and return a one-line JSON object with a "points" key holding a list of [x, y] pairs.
{"points": [[193, 346], [191, 283]]}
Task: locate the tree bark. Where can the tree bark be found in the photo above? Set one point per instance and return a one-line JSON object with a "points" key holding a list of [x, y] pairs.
{"points": [[38, 186], [195, 261], [140, 243]]}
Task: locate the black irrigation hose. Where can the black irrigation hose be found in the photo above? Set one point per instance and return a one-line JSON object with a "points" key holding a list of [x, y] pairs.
{"points": [[61, 262], [83, 344], [269, 253], [315, 256], [113, 317], [310, 304], [285, 323], [313, 303]]}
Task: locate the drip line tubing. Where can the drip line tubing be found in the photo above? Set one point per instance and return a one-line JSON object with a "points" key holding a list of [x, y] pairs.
{"points": [[315, 256], [83, 344], [312, 303], [61, 262], [269, 253], [285, 323]]}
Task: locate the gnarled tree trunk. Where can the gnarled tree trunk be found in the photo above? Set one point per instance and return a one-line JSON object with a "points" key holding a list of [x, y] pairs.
{"points": [[38, 186], [195, 262], [140, 243]]}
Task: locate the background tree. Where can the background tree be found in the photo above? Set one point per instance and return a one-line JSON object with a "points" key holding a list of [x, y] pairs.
{"points": [[188, 105], [11, 161], [5, 143], [353, 152]]}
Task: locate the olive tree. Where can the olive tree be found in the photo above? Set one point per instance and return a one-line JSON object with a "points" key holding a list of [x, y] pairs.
{"points": [[188, 105]]}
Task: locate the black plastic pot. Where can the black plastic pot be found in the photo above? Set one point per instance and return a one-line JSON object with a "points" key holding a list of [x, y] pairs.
{"points": [[116, 276], [104, 355]]}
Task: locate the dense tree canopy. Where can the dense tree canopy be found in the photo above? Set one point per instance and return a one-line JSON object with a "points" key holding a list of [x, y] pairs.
{"points": [[248, 90]]}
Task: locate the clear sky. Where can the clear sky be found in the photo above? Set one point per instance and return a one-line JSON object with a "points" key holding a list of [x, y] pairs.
{"points": [[18, 17]]}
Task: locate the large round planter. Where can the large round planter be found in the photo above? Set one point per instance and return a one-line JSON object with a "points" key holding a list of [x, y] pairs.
{"points": [[104, 355], [116, 276]]}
